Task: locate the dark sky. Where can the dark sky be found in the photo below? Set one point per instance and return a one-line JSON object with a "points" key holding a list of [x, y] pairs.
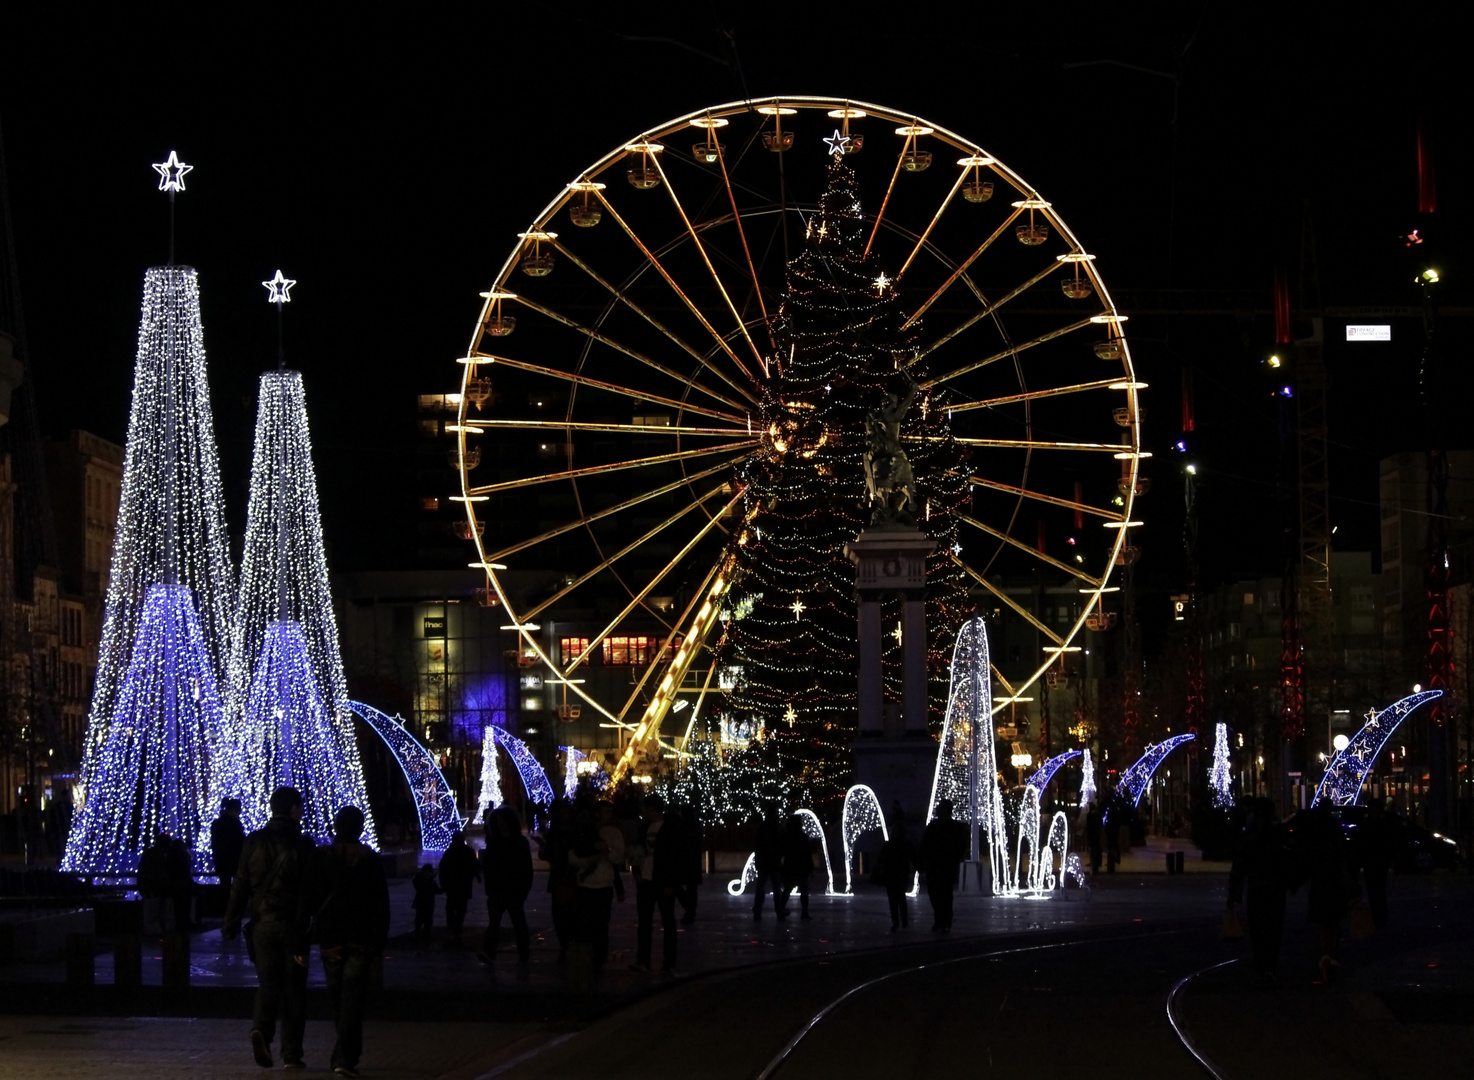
{"points": [[386, 160]]}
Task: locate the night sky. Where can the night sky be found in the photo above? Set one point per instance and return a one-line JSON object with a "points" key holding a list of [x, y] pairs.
{"points": [[387, 162]]}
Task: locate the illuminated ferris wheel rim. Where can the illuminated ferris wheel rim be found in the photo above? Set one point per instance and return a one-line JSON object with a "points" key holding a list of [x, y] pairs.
{"points": [[842, 110]]}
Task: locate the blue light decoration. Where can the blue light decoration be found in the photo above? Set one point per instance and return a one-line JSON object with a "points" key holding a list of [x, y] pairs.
{"points": [[571, 757], [534, 777], [1348, 769], [1220, 776], [1135, 779], [157, 755], [289, 698], [1045, 774], [435, 802]]}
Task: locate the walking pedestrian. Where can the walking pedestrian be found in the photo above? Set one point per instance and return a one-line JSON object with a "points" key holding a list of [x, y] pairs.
{"points": [[798, 864], [691, 850], [426, 890], [944, 845], [553, 848], [1094, 825], [227, 838], [1376, 840], [458, 871], [181, 884], [767, 857], [506, 875], [269, 886], [1329, 866], [1259, 879], [656, 860], [153, 883], [597, 851], [895, 869], [352, 923]]}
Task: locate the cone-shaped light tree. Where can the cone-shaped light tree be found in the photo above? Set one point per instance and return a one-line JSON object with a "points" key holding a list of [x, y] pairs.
{"points": [[289, 696], [157, 756], [841, 351]]}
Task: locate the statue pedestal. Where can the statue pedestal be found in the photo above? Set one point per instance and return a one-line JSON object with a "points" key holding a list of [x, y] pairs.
{"points": [[896, 759]]}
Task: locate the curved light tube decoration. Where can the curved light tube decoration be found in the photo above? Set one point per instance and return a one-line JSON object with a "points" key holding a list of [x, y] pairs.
{"points": [[434, 801], [1135, 779], [1348, 770]]}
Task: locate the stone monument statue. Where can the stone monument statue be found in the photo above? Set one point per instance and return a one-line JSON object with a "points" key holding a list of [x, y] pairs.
{"points": [[888, 476]]}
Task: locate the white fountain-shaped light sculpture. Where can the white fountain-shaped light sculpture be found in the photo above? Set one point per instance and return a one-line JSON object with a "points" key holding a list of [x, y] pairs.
{"points": [[814, 831]]}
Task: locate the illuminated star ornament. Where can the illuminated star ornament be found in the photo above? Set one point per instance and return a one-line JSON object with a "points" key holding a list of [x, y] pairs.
{"points": [[838, 143], [798, 607], [171, 173], [881, 283], [280, 289], [790, 714]]}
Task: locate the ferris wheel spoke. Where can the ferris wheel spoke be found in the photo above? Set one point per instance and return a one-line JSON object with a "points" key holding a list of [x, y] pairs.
{"points": [[1010, 602], [615, 388], [605, 339], [478, 424], [1021, 444], [598, 515], [757, 286], [998, 535], [961, 269], [1039, 496], [615, 466], [715, 277], [1011, 351], [1033, 395], [987, 310], [885, 202], [698, 596], [921, 241], [610, 560], [639, 598]]}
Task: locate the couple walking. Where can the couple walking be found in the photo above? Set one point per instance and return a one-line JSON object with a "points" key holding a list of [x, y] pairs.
{"points": [[296, 894]]}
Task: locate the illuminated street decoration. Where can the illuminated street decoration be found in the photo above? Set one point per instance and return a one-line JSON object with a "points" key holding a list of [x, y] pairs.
{"points": [[571, 757], [1041, 779], [166, 630], [1347, 771], [839, 144], [435, 803], [534, 778], [171, 173], [814, 831], [1220, 777], [288, 692], [862, 814], [491, 775], [280, 289], [1087, 779], [1134, 781]]}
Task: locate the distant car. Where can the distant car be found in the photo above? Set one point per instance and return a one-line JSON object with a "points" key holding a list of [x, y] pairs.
{"points": [[1415, 850]]}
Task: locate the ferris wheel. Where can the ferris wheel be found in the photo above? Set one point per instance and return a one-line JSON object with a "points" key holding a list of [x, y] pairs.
{"points": [[614, 373]]}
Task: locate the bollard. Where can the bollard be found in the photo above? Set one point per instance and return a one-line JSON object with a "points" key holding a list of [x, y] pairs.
{"points": [[1171, 863], [80, 950], [176, 960], [127, 960]]}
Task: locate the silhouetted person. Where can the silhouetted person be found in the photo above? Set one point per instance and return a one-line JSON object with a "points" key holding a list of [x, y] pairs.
{"points": [[944, 845], [1113, 821], [798, 864], [506, 875], [153, 882], [227, 838], [1094, 825], [767, 857], [351, 898], [1327, 861], [270, 886], [426, 890], [1260, 878], [598, 849], [553, 848], [181, 883], [458, 871], [1376, 841], [656, 857], [691, 848], [895, 869]]}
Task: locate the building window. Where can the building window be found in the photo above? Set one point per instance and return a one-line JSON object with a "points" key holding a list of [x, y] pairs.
{"points": [[627, 650], [571, 648], [430, 502]]}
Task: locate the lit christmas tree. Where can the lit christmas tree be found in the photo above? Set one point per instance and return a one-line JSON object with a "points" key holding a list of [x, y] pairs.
{"points": [[790, 619], [291, 699], [1220, 777], [157, 756], [491, 776]]}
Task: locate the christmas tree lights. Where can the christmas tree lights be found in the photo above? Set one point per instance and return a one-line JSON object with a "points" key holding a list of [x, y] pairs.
{"points": [[1219, 777], [491, 775], [1087, 779], [1348, 770], [290, 699], [791, 612], [166, 630]]}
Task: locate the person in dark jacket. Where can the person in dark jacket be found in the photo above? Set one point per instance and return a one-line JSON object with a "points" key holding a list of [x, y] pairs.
{"points": [[896, 870], [458, 871], [1376, 840], [798, 864], [691, 849], [554, 847], [1330, 868], [944, 845], [153, 882], [351, 897], [767, 858], [181, 884], [656, 859], [270, 885], [506, 875], [227, 838], [1259, 879], [426, 890]]}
